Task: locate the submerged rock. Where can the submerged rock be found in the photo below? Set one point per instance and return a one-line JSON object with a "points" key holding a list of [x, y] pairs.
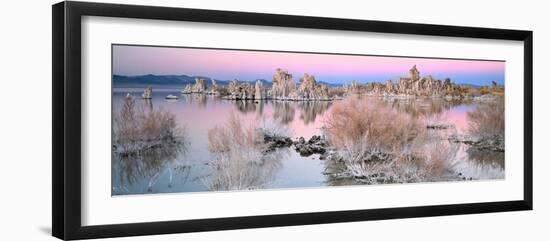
{"points": [[275, 142], [315, 145], [439, 126]]}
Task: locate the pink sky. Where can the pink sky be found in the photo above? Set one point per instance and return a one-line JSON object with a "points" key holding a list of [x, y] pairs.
{"points": [[251, 65]]}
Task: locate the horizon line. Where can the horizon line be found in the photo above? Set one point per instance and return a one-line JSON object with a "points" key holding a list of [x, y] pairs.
{"points": [[343, 82]]}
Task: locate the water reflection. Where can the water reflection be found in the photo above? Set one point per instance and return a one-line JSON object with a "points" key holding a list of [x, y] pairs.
{"points": [[310, 109], [246, 106], [283, 111], [334, 174], [148, 104], [425, 107], [259, 108], [149, 165], [255, 170], [146, 165], [199, 99], [486, 157], [171, 169]]}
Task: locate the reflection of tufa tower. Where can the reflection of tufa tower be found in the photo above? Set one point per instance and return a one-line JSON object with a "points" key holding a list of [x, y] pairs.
{"points": [[414, 73]]}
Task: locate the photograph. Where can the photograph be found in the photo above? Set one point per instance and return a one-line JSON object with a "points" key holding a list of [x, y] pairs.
{"points": [[276, 120], [190, 119]]}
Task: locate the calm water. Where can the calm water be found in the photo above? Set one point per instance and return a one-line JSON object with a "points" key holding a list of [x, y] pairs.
{"points": [[173, 171]]}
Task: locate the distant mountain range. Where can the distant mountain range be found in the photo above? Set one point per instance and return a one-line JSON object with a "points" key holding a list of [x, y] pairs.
{"points": [[151, 79], [182, 80], [176, 80]]}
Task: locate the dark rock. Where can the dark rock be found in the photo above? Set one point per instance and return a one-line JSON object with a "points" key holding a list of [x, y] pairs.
{"points": [[438, 126], [315, 145], [314, 140], [492, 143], [277, 141], [304, 150], [317, 149]]}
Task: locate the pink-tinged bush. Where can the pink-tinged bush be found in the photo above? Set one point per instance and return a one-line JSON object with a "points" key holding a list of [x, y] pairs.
{"points": [[235, 134], [371, 123], [136, 129], [487, 119], [241, 158], [373, 138]]}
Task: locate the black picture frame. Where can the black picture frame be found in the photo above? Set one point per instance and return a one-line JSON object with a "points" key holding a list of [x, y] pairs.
{"points": [[66, 128]]}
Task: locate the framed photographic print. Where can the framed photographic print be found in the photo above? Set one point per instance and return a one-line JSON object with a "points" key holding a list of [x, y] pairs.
{"points": [[170, 120]]}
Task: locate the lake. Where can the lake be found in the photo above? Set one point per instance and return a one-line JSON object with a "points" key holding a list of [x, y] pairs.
{"points": [[173, 171]]}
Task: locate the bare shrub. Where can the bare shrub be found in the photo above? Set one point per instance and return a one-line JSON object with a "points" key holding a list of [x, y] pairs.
{"points": [[433, 157], [422, 160], [241, 161], [372, 123], [242, 169], [234, 135], [158, 125], [479, 171], [272, 128], [487, 119], [136, 130], [373, 140], [149, 163]]}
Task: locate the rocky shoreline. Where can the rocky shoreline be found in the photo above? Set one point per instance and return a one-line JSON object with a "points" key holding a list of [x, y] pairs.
{"points": [[319, 145], [315, 145], [285, 88], [488, 143]]}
